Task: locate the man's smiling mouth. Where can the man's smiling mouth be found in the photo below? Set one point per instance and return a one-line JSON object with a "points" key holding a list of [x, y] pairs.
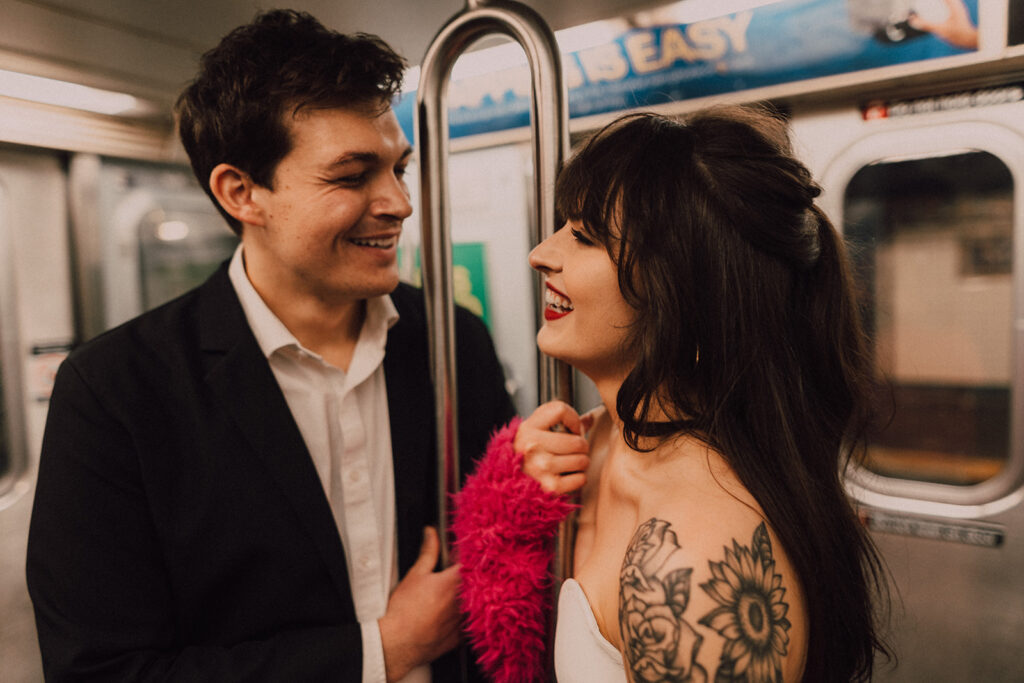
{"points": [[376, 243]]}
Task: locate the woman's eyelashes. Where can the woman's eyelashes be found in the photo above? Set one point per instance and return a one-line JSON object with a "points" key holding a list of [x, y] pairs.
{"points": [[581, 237]]}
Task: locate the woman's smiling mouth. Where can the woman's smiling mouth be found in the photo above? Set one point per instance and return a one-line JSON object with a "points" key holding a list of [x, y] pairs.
{"points": [[556, 304]]}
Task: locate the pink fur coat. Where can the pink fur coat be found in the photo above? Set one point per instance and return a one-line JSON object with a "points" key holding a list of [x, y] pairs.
{"points": [[504, 525]]}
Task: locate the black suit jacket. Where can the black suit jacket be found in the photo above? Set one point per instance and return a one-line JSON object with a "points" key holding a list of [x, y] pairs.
{"points": [[180, 531]]}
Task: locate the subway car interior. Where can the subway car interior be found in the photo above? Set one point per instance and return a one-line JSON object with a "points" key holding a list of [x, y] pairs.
{"points": [[916, 137]]}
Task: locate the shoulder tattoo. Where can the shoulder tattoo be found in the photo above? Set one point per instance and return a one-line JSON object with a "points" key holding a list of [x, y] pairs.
{"points": [[661, 645]]}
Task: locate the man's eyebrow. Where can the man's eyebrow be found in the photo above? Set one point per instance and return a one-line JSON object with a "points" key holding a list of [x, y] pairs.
{"points": [[366, 157], [355, 157]]}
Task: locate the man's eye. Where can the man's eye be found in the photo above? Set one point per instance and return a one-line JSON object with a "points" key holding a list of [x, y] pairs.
{"points": [[581, 238], [350, 180]]}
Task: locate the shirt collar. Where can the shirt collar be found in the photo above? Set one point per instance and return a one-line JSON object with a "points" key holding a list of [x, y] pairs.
{"points": [[272, 335]]}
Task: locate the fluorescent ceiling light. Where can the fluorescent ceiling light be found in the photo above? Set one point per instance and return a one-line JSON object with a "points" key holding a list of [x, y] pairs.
{"points": [[64, 94]]}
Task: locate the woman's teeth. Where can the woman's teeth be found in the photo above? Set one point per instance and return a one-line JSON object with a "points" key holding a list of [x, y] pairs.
{"points": [[385, 243], [556, 301]]}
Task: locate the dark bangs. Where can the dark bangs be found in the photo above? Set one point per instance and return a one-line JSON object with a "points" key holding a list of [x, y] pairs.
{"points": [[616, 187], [630, 186]]}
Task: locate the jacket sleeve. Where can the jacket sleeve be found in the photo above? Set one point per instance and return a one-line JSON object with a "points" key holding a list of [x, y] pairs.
{"points": [[504, 524], [104, 600]]}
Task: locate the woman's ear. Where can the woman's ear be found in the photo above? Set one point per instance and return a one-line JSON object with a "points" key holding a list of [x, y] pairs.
{"points": [[233, 188]]}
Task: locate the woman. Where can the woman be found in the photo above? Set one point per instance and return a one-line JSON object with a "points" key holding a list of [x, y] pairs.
{"points": [[708, 298]]}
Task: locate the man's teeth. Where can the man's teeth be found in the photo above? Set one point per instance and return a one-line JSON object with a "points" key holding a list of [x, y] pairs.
{"points": [[385, 243], [556, 301]]}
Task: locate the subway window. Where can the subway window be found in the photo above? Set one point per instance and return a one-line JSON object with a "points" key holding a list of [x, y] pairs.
{"points": [[931, 240], [8, 353], [5, 446], [178, 249]]}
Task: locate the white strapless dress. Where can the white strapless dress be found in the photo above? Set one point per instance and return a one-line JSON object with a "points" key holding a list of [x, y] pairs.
{"points": [[582, 654]]}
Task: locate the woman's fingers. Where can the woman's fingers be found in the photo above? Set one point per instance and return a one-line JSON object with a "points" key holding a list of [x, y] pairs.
{"points": [[553, 448], [555, 414]]}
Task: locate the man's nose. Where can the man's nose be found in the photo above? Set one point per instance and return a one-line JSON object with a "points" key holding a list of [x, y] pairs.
{"points": [[393, 199]]}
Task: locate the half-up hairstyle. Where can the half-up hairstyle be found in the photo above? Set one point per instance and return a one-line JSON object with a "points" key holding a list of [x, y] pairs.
{"points": [[748, 336]]}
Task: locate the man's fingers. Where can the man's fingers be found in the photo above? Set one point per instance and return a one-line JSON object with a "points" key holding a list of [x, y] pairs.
{"points": [[429, 552]]}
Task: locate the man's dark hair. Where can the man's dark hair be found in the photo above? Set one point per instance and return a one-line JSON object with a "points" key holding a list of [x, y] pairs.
{"points": [[235, 110]]}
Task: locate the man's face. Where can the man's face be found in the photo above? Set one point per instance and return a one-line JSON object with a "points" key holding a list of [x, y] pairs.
{"points": [[332, 220]]}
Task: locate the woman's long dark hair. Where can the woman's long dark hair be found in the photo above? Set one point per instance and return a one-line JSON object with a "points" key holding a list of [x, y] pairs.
{"points": [[748, 337]]}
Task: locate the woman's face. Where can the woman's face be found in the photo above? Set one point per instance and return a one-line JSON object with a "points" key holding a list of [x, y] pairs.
{"points": [[586, 320]]}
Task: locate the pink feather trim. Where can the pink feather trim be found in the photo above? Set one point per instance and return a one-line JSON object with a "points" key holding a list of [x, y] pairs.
{"points": [[504, 524]]}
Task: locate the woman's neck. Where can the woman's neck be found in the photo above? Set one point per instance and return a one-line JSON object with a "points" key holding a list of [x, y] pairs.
{"points": [[608, 390]]}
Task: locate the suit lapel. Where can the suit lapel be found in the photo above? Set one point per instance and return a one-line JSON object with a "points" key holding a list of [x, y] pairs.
{"points": [[411, 413], [241, 379]]}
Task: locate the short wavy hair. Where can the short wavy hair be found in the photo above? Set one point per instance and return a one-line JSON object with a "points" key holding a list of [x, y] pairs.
{"points": [[283, 61]]}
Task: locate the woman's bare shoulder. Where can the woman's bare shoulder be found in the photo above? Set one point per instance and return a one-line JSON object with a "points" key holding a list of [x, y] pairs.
{"points": [[706, 597]]}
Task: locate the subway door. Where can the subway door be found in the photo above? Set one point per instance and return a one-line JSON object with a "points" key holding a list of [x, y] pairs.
{"points": [[490, 204], [144, 233], [933, 209], [492, 224], [35, 333]]}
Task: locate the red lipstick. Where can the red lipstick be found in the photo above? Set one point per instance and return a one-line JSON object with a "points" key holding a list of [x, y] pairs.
{"points": [[552, 313]]}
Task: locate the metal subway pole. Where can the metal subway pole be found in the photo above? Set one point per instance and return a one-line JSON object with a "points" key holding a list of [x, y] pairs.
{"points": [[549, 124]]}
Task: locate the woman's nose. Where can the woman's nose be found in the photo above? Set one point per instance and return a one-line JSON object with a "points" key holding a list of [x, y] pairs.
{"points": [[544, 256]]}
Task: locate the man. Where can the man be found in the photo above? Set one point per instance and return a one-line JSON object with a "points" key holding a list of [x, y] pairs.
{"points": [[231, 485]]}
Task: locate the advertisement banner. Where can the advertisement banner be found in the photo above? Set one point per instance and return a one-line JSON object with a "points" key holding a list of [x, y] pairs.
{"points": [[655, 60]]}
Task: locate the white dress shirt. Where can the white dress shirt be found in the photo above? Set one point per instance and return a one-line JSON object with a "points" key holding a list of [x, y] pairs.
{"points": [[343, 419]]}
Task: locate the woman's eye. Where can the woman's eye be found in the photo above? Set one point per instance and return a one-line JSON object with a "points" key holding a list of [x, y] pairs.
{"points": [[580, 237]]}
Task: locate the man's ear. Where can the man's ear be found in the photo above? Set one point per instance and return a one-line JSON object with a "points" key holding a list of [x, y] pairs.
{"points": [[233, 188]]}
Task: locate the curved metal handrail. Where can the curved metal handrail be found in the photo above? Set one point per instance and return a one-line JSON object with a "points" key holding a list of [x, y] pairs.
{"points": [[549, 123]]}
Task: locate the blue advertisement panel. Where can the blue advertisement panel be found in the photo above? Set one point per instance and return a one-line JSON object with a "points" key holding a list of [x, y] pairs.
{"points": [[661, 62]]}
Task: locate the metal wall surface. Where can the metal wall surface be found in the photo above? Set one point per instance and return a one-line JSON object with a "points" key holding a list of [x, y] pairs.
{"points": [[33, 216]]}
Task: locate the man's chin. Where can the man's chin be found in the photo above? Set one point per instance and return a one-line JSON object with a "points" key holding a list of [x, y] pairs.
{"points": [[379, 287]]}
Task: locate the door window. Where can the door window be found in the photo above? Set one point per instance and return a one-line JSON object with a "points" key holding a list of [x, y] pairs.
{"points": [[178, 249], [11, 461], [932, 245]]}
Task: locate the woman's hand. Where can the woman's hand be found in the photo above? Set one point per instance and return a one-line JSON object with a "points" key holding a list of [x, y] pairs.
{"points": [[555, 453]]}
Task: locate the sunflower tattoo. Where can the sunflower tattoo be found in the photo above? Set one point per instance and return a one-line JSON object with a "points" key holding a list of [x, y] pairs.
{"points": [[661, 646], [751, 615]]}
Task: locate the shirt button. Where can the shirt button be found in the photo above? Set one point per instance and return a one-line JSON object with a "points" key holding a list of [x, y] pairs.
{"points": [[354, 476], [364, 562]]}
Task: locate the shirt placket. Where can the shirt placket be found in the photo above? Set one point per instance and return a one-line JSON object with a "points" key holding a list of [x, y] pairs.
{"points": [[360, 513]]}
